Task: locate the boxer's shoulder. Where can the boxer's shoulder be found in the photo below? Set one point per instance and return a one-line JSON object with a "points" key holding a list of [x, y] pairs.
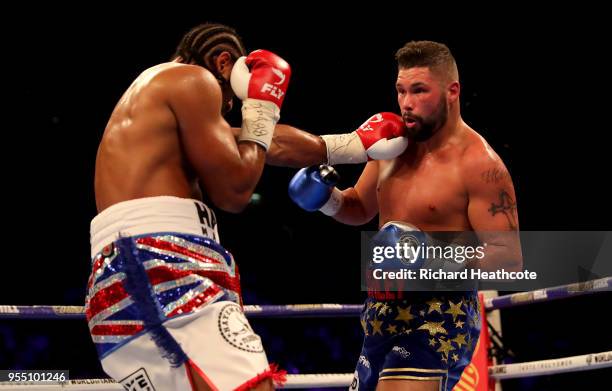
{"points": [[173, 76], [475, 147], [478, 158]]}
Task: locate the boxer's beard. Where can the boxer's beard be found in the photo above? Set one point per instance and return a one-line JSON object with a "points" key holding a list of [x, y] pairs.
{"points": [[425, 128]]}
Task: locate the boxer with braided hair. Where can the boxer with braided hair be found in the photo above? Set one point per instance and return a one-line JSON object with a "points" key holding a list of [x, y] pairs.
{"points": [[163, 304]]}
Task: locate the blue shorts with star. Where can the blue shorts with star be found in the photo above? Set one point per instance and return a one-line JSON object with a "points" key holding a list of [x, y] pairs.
{"points": [[429, 336]]}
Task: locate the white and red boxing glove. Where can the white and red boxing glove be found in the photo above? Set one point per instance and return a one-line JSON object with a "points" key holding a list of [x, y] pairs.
{"points": [[260, 80], [381, 137]]}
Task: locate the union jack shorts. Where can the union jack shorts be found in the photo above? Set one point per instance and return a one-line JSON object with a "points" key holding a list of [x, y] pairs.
{"points": [[159, 304]]}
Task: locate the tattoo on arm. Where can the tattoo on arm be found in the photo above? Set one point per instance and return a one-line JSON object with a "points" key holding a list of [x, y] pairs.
{"points": [[495, 175], [507, 206]]}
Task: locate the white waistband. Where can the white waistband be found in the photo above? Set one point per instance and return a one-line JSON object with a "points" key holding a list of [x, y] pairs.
{"points": [[151, 215]]}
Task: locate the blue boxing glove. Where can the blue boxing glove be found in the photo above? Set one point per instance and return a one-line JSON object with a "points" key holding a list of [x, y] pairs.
{"points": [[313, 188], [408, 238], [418, 249]]}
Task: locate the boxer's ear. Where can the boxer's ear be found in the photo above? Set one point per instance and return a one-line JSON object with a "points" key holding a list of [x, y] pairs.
{"points": [[452, 91], [223, 63]]}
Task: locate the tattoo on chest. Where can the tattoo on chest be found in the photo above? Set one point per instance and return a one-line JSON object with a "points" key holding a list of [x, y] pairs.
{"points": [[507, 206]]}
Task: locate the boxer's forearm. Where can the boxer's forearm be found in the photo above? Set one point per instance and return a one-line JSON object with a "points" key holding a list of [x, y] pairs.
{"points": [[352, 211], [500, 254], [292, 147]]}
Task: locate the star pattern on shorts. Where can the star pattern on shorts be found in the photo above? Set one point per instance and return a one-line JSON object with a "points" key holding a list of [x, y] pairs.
{"points": [[445, 347], [376, 325], [433, 328], [471, 321], [460, 340], [404, 314], [434, 305], [391, 329], [455, 309], [384, 309]]}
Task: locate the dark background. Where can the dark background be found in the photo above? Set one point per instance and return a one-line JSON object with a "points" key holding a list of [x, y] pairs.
{"points": [[535, 85]]}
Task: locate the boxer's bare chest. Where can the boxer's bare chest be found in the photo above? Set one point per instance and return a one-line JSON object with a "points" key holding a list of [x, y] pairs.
{"points": [[427, 191]]}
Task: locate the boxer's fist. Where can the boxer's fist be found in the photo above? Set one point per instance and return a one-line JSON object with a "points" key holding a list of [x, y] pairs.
{"points": [[261, 75], [381, 137], [260, 80], [313, 188]]}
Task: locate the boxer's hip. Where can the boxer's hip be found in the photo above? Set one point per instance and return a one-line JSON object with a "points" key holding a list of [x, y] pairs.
{"points": [[152, 215], [154, 259]]}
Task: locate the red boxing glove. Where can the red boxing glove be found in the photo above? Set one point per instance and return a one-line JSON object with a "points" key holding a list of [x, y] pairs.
{"points": [[269, 76], [382, 126], [381, 137], [260, 80], [261, 75]]}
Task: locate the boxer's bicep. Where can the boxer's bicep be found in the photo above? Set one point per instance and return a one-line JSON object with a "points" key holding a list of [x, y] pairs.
{"points": [[491, 197], [206, 137], [492, 213]]}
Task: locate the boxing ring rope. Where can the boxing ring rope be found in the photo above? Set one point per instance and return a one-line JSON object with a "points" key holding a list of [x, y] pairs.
{"points": [[252, 311], [548, 294], [327, 310], [499, 372], [293, 381], [554, 366]]}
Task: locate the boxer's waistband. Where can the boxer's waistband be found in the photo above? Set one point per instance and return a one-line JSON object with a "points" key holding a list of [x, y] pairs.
{"points": [[152, 215]]}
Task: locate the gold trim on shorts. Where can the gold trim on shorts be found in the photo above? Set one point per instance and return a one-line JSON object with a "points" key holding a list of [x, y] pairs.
{"points": [[422, 370]]}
